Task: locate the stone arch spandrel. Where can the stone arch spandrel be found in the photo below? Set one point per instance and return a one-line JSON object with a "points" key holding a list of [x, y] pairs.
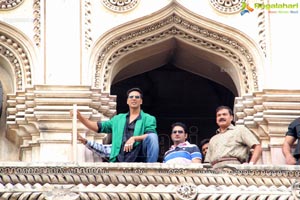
{"points": [[241, 57], [19, 52]]}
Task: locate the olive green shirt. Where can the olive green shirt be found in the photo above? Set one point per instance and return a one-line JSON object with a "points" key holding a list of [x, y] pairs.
{"points": [[235, 142]]}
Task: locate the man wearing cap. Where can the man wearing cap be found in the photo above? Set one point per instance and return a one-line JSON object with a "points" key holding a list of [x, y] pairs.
{"points": [[134, 136]]}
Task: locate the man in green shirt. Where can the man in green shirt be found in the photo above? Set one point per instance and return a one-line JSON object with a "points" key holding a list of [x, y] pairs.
{"points": [[134, 136]]}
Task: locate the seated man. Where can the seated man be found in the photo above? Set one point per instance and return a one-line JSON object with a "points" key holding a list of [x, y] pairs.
{"points": [[181, 151], [134, 136], [102, 150]]}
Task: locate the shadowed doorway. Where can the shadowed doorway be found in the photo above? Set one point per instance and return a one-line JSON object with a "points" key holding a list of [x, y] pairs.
{"points": [[172, 94]]}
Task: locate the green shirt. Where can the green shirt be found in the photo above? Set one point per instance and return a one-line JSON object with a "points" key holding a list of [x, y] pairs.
{"points": [[116, 126]]}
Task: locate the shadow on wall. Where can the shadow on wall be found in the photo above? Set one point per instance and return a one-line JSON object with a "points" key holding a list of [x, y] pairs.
{"points": [[8, 151]]}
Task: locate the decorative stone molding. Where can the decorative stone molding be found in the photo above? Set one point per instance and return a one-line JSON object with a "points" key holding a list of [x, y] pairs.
{"points": [[120, 5], [268, 114], [37, 22], [9, 4], [31, 114], [227, 6], [262, 28], [177, 24], [87, 24], [146, 181], [16, 55]]}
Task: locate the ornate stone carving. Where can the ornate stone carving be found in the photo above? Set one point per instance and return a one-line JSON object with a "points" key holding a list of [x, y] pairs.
{"points": [[17, 57], [120, 5], [87, 24], [262, 28], [146, 181], [187, 191], [28, 113], [60, 193], [227, 6], [9, 4], [182, 29], [37, 22]]}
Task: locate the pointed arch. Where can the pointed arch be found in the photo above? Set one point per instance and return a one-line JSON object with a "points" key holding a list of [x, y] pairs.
{"points": [[226, 47], [17, 55]]}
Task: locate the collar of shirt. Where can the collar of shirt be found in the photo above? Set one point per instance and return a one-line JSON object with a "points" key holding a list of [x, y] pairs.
{"points": [[230, 127], [183, 144], [139, 117]]}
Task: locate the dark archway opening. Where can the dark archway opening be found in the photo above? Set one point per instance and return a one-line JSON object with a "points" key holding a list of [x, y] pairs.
{"points": [[172, 94]]}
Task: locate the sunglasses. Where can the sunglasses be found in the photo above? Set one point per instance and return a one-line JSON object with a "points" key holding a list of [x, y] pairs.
{"points": [[177, 131], [132, 96]]}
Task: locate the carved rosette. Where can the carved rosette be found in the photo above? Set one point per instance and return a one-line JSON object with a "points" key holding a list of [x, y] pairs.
{"points": [[187, 191], [120, 5], [9, 4], [227, 6]]}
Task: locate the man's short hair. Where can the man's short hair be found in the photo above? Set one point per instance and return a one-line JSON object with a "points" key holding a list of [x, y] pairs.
{"points": [[135, 89], [203, 142], [225, 107], [181, 125]]}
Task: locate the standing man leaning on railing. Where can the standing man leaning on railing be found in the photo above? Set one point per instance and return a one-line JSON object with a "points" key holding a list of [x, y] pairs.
{"points": [[291, 136], [231, 144]]}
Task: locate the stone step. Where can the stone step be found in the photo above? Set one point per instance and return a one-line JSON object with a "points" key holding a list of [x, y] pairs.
{"points": [[57, 93], [61, 108], [281, 97], [282, 105], [61, 88], [62, 101]]}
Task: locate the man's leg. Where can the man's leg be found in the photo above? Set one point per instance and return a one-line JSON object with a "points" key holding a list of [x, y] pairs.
{"points": [[150, 147]]}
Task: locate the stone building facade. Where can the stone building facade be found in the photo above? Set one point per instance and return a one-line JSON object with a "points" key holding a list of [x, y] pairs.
{"points": [[61, 53]]}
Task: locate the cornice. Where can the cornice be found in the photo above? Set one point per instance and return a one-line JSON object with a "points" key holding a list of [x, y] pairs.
{"points": [[146, 181]]}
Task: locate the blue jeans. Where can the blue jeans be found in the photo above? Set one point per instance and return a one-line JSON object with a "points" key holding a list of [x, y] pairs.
{"points": [[148, 153], [150, 147]]}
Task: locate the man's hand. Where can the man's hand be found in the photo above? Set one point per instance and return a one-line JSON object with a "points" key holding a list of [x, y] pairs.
{"points": [[290, 160], [78, 114], [129, 144], [81, 139]]}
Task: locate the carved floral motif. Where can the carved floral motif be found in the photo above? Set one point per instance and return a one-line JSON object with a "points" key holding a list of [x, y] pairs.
{"points": [[9, 4], [120, 5], [227, 6]]}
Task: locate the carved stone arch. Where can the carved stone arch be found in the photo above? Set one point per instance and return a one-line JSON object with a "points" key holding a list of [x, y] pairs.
{"points": [[18, 52], [226, 47]]}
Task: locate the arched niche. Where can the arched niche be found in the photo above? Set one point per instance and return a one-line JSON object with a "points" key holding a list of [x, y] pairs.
{"points": [[19, 54], [152, 40]]}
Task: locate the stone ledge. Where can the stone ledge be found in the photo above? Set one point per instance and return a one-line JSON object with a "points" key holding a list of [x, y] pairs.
{"points": [[145, 181]]}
